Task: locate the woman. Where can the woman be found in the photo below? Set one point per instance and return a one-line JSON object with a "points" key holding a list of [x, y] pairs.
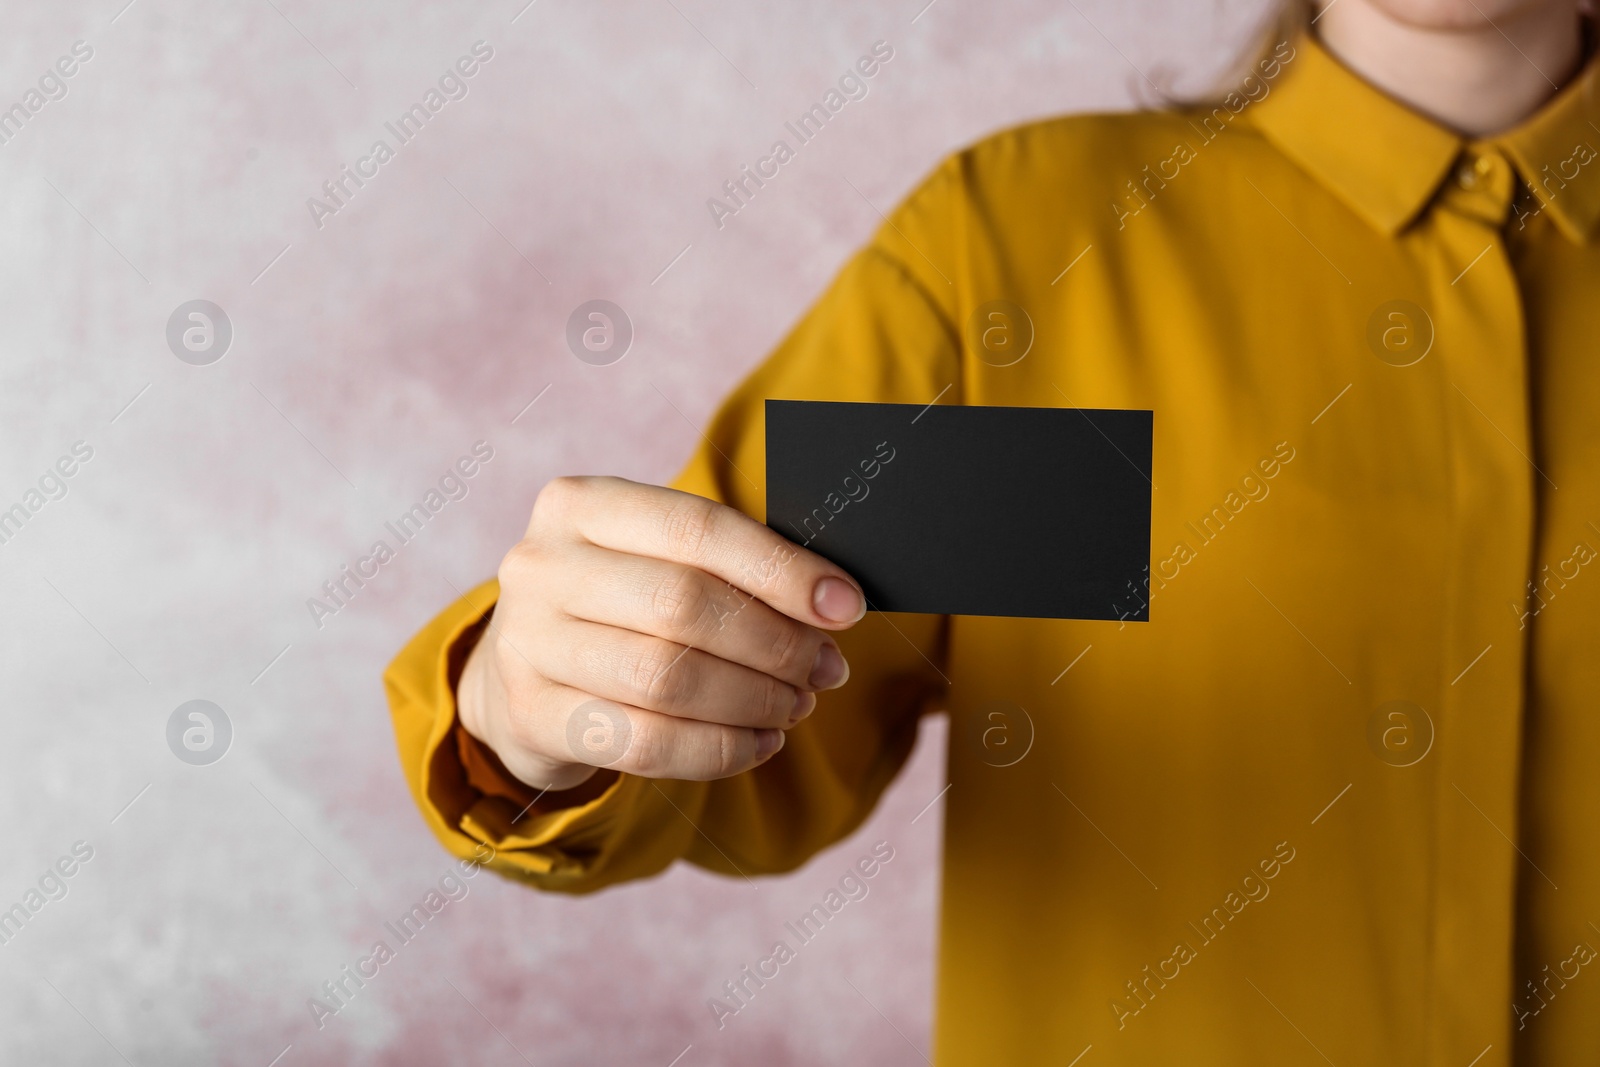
{"points": [[1335, 800]]}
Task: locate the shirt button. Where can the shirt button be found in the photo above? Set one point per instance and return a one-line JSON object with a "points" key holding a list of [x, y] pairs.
{"points": [[1467, 175]]}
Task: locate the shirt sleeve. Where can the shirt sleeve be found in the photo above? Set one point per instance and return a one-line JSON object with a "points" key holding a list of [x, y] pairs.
{"points": [[883, 331]]}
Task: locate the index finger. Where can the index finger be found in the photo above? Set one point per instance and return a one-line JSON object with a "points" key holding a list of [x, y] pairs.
{"points": [[650, 520]]}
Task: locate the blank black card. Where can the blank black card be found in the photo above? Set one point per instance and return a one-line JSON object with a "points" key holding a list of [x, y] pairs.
{"points": [[954, 510]]}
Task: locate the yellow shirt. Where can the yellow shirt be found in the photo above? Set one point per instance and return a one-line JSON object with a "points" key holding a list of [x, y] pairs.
{"points": [[1339, 795]]}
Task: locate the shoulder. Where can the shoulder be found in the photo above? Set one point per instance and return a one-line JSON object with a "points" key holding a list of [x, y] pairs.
{"points": [[1068, 162], [1087, 152], [1096, 138], [1019, 200]]}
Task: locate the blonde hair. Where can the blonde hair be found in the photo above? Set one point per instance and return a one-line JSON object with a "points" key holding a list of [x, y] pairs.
{"points": [[1283, 21]]}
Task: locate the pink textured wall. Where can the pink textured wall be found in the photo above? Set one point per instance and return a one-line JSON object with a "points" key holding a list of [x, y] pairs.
{"points": [[368, 352]]}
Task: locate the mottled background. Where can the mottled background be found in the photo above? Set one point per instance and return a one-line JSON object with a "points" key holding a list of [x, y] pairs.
{"points": [[367, 355]]}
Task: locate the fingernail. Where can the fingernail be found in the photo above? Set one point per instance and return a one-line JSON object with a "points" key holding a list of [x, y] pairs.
{"points": [[830, 669], [804, 704], [838, 601], [768, 742]]}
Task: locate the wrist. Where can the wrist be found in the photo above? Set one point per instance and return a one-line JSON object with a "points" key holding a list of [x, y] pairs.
{"points": [[481, 706], [472, 688]]}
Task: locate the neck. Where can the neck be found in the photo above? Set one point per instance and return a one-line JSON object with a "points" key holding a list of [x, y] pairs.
{"points": [[1475, 76]]}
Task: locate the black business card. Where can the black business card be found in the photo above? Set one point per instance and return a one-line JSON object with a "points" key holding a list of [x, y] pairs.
{"points": [[954, 510]]}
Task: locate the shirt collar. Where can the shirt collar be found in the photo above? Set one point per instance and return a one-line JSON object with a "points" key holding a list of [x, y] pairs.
{"points": [[1557, 152], [1387, 161]]}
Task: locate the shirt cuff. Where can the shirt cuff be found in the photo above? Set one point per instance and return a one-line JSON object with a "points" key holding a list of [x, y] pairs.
{"points": [[467, 793]]}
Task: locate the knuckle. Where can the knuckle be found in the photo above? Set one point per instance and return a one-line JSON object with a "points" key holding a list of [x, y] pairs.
{"points": [[662, 676], [688, 527], [693, 752], [681, 602], [730, 752], [792, 652], [650, 753], [777, 700], [565, 488], [551, 497], [518, 565], [556, 498], [766, 572]]}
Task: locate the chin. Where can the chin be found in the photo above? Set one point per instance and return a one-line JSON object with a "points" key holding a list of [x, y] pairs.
{"points": [[1464, 14]]}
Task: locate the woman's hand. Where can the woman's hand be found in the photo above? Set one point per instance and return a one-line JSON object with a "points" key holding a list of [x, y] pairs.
{"points": [[653, 632]]}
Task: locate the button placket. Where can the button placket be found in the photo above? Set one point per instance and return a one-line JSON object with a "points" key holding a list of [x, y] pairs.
{"points": [[1484, 383]]}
